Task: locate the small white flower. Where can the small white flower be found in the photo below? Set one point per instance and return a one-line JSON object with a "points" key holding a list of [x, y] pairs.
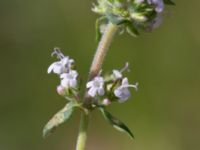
{"points": [[61, 66], [117, 74], [96, 86], [69, 80], [123, 92]]}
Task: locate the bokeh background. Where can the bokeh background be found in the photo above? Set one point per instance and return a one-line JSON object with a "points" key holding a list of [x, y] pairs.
{"points": [[164, 114]]}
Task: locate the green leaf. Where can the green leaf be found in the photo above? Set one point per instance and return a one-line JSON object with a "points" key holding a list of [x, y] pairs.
{"points": [[98, 32], [117, 124], [60, 117], [131, 29], [98, 24], [114, 19], [169, 2]]}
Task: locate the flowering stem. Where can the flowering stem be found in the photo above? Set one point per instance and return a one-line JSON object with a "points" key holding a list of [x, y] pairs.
{"points": [[98, 59], [81, 141], [102, 49]]}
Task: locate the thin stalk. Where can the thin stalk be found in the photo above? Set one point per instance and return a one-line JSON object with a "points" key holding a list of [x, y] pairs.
{"points": [[102, 49], [95, 68], [99, 56], [82, 137]]}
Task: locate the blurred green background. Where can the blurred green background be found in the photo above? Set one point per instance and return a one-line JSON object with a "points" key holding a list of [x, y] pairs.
{"points": [[164, 114]]}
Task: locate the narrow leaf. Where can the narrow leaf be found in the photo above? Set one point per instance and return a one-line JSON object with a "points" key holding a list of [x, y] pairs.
{"points": [[100, 21], [60, 117], [98, 32], [117, 124], [132, 30], [169, 2]]}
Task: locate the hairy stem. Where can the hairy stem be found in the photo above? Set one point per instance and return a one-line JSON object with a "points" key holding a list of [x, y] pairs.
{"points": [[98, 59], [81, 141], [102, 49]]}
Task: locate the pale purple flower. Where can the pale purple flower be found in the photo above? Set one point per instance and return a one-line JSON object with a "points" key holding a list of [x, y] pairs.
{"points": [[122, 92], [96, 86], [69, 80], [158, 3], [61, 66]]}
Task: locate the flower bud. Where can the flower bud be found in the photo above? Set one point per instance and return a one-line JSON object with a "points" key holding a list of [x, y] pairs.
{"points": [[106, 102], [61, 90]]}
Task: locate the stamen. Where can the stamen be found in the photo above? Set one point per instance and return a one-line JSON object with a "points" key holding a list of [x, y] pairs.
{"points": [[125, 68], [135, 86], [58, 53]]}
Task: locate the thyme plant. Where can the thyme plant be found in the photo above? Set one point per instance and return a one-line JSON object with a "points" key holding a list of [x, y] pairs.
{"points": [[116, 16]]}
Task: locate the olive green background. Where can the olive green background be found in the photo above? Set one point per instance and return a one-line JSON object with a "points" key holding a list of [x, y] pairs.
{"points": [[164, 114]]}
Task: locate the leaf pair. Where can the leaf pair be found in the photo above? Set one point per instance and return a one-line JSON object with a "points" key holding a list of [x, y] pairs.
{"points": [[64, 114], [130, 28], [117, 124]]}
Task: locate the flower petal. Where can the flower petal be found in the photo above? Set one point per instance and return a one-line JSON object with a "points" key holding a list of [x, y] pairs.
{"points": [[117, 74], [73, 83], [65, 82], [63, 75], [125, 81], [117, 92], [74, 73], [89, 84], [92, 92], [124, 95], [51, 67], [101, 91]]}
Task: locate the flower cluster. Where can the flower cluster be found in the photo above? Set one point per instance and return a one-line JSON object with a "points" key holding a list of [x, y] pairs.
{"points": [[134, 15], [65, 69], [113, 87], [103, 90]]}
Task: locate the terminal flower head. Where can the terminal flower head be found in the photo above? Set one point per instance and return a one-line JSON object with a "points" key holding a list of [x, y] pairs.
{"points": [[132, 15]]}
